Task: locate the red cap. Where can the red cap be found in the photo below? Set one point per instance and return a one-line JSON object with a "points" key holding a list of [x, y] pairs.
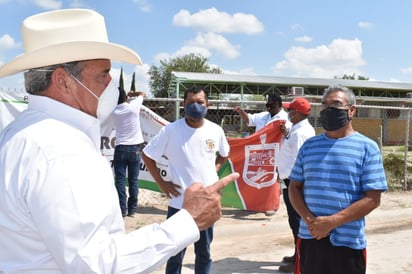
{"points": [[286, 104], [300, 104]]}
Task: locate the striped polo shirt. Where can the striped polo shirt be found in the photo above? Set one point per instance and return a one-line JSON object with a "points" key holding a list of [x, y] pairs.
{"points": [[336, 173]]}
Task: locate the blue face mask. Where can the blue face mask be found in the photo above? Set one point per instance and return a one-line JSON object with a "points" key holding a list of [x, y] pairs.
{"points": [[195, 110]]}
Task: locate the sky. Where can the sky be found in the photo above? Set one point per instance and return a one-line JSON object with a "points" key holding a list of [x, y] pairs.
{"points": [[293, 38]]}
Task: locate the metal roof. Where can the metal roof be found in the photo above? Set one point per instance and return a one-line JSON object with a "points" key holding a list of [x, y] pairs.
{"points": [[288, 81]]}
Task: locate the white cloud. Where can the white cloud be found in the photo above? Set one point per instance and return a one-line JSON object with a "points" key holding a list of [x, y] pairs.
{"points": [[193, 49], [406, 70], [296, 27], [78, 4], [204, 44], [212, 20], [326, 61], [7, 42], [365, 25], [243, 71], [143, 5], [214, 42], [303, 39], [48, 4]]}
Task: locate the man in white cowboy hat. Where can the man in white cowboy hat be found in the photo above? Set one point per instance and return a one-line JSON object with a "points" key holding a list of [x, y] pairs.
{"points": [[59, 209]]}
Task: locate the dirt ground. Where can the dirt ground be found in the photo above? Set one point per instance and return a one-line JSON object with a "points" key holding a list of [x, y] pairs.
{"points": [[250, 242]]}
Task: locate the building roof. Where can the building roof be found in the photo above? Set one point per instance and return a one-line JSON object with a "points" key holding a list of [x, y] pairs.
{"points": [[289, 81]]}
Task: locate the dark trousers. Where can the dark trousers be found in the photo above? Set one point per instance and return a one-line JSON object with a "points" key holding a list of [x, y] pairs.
{"points": [[321, 257], [203, 261], [127, 157], [293, 216]]}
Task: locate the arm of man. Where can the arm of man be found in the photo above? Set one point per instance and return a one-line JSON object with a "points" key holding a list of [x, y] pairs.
{"points": [[201, 209], [242, 114], [295, 191], [322, 225], [220, 160], [168, 188]]}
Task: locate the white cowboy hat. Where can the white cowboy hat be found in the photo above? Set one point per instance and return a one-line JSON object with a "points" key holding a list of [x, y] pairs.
{"points": [[67, 35]]}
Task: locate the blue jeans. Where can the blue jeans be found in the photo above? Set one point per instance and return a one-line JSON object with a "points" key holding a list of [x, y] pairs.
{"points": [[127, 156], [202, 252]]}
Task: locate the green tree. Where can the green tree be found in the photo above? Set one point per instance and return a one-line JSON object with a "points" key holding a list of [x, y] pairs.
{"points": [[160, 77], [133, 85], [352, 77], [121, 82]]}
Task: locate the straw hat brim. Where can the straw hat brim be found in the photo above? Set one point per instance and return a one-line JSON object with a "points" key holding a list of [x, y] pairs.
{"points": [[68, 52]]}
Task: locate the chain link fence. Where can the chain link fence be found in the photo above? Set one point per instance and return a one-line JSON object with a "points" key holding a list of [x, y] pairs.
{"points": [[389, 126]]}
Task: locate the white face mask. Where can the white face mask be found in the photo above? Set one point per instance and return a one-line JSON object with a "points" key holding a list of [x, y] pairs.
{"points": [[107, 100]]}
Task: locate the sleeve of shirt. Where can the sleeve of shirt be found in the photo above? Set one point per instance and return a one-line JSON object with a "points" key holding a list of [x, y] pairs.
{"points": [[146, 249], [373, 173], [137, 102], [157, 145], [296, 173], [224, 148], [252, 119]]}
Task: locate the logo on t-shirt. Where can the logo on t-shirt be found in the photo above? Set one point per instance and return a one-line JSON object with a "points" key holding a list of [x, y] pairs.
{"points": [[211, 144]]}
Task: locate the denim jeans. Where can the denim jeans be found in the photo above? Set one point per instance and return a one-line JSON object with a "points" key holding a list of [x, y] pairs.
{"points": [[203, 262], [127, 157]]}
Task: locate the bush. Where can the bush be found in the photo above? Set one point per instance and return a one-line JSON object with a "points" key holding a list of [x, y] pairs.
{"points": [[394, 169]]}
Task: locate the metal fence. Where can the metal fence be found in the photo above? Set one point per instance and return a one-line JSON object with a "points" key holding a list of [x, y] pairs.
{"points": [[389, 126]]}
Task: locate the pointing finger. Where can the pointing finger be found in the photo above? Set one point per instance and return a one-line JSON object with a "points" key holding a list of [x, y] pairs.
{"points": [[219, 185]]}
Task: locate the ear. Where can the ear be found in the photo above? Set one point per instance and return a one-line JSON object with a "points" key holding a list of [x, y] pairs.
{"points": [[61, 81], [352, 112]]}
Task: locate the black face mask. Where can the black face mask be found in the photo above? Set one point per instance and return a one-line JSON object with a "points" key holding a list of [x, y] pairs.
{"points": [[270, 106], [333, 118]]}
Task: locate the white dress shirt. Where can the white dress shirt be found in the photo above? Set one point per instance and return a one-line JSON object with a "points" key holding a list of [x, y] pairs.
{"points": [[59, 209], [291, 144], [261, 119], [126, 119]]}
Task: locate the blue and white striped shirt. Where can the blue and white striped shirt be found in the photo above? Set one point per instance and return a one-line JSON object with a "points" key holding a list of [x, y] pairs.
{"points": [[336, 173]]}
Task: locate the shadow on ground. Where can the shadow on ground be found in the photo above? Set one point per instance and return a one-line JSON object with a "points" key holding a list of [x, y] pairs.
{"points": [[240, 214], [234, 265], [151, 210]]}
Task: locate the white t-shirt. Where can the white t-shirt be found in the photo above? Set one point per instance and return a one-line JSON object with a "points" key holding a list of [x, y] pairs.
{"points": [[126, 119], [191, 153], [59, 208], [261, 119], [291, 144]]}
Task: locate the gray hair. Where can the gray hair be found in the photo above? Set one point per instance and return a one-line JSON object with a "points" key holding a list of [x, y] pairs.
{"points": [[350, 96], [37, 80]]}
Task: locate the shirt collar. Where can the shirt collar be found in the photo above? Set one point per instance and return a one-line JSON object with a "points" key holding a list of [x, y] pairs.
{"points": [[69, 115]]}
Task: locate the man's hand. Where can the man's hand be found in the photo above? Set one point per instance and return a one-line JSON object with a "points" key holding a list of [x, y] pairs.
{"points": [[237, 109], [203, 203], [170, 189]]}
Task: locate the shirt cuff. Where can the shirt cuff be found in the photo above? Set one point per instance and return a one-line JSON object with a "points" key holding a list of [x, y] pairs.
{"points": [[185, 227]]}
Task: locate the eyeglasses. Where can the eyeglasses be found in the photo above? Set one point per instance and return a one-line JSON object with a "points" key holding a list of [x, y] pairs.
{"points": [[336, 105]]}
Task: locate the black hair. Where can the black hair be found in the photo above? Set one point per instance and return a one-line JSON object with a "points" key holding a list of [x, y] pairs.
{"points": [[194, 90], [275, 97]]}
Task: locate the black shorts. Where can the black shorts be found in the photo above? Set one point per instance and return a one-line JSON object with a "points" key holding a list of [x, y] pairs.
{"points": [[321, 257]]}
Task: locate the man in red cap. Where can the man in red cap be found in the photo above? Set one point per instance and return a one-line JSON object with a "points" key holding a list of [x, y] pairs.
{"points": [[300, 131]]}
